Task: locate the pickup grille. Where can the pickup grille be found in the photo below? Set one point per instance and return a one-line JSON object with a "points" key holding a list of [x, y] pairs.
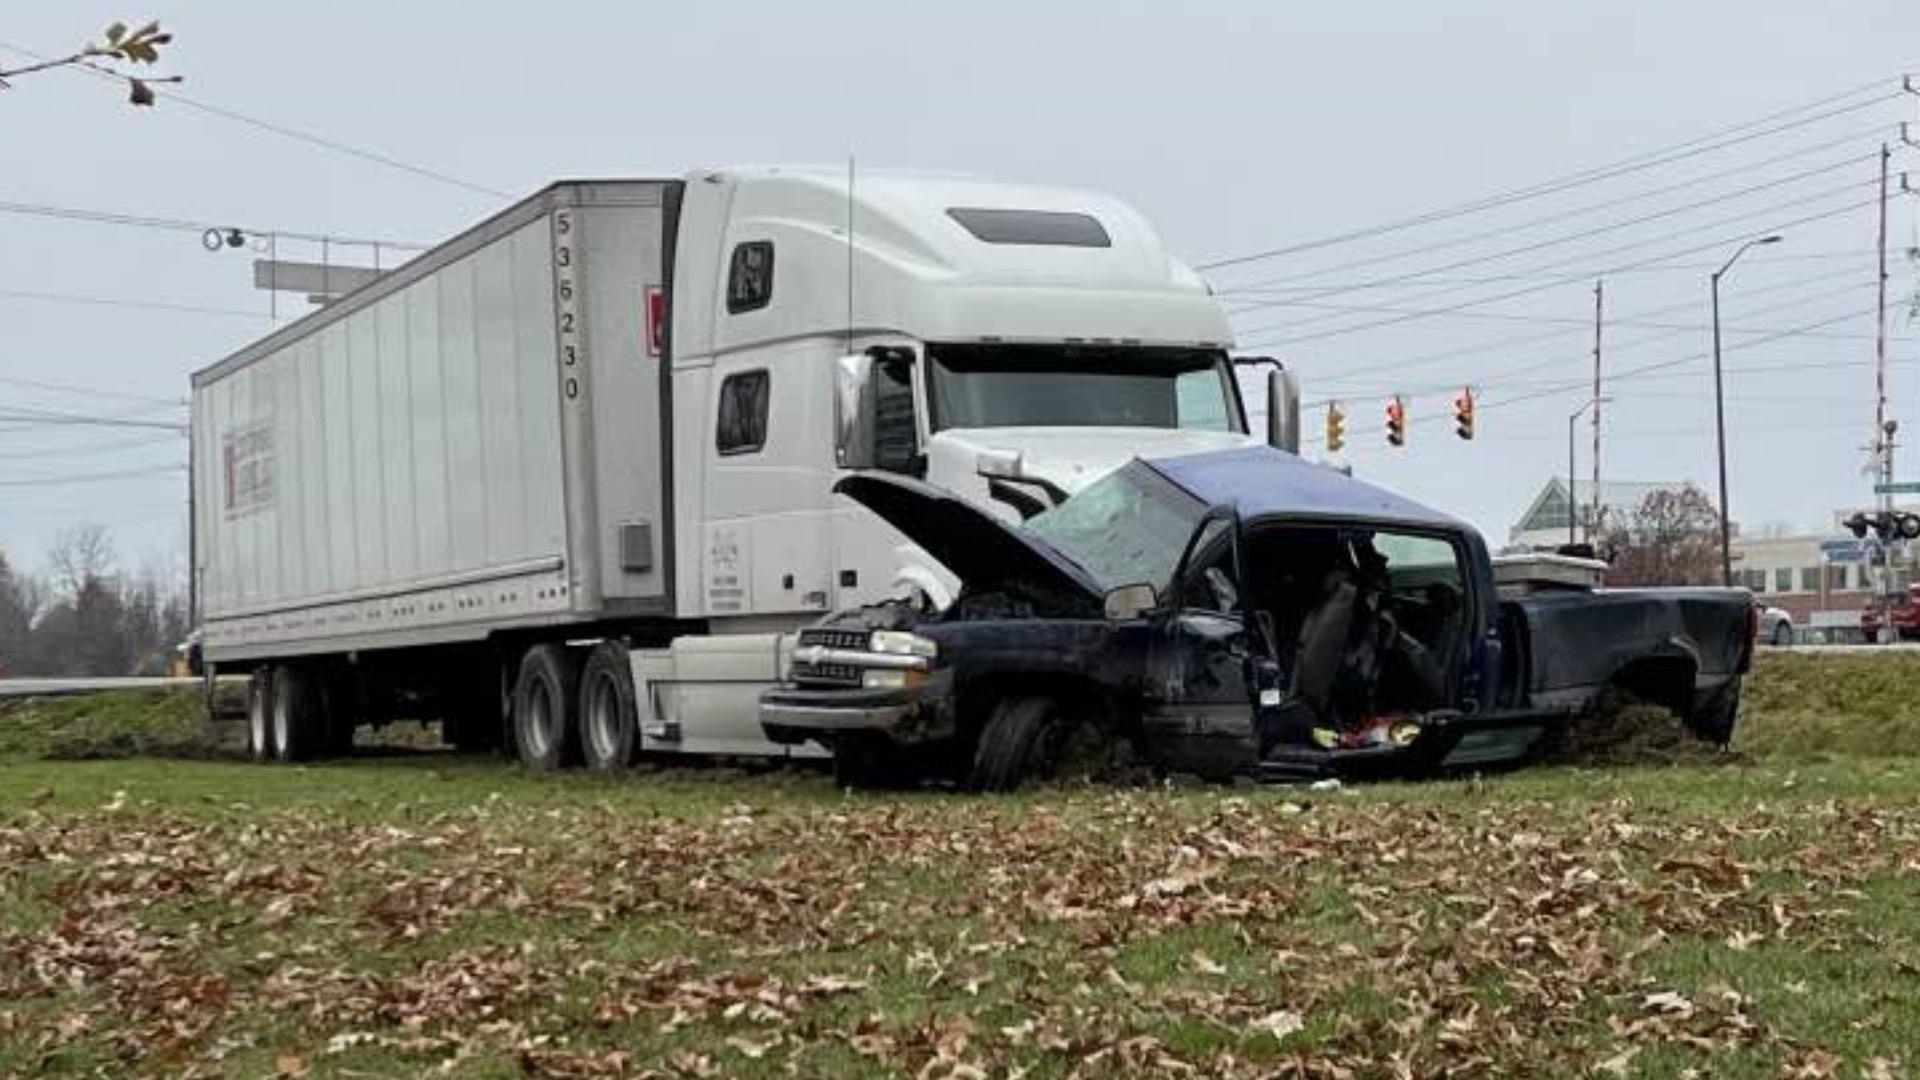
{"points": [[855, 640], [826, 674]]}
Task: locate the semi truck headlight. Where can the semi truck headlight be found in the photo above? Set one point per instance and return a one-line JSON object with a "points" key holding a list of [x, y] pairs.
{"points": [[902, 643], [891, 679]]}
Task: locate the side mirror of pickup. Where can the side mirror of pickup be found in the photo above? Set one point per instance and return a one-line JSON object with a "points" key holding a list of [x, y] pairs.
{"points": [[1130, 601]]}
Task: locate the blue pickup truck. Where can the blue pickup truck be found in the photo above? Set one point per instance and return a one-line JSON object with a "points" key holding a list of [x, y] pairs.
{"points": [[1240, 612]]}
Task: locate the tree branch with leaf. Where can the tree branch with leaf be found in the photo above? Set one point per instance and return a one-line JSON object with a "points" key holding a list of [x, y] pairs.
{"points": [[118, 47]]}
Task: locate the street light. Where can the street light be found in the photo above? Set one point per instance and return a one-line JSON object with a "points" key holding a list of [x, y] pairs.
{"points": [[1720, 412], [1573, 501]]}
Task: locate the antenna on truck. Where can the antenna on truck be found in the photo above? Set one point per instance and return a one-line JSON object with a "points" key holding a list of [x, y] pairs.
{"points": [[849, 253]]}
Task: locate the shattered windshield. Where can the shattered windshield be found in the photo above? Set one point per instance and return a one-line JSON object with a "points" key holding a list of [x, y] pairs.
{"points": [[1126, 528], [984, 386]]}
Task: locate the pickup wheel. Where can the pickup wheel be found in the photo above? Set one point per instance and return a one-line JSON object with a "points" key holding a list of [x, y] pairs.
{"points": [[544, 704], [259, 714], [609, 720], [1714, 719], [1782, 634], [1012, 741]]}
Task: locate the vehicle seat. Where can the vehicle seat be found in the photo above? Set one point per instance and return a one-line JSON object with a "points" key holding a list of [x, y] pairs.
{"points": [[1324, 635]]}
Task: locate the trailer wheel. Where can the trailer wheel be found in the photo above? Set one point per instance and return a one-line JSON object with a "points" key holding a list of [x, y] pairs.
{"points": [[609, 717], [544, 698], [297, 717], [1016, 730], [259, 720]]}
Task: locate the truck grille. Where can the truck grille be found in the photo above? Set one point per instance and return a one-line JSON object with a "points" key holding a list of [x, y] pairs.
{"points": [[826, 674], [855, 640]]}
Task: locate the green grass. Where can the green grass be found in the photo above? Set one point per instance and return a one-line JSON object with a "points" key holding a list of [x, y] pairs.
{"points": [[398, 914]]}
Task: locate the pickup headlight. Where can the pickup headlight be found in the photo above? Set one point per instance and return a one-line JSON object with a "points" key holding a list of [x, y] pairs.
{"points": [[902, 643], [891, 678]]}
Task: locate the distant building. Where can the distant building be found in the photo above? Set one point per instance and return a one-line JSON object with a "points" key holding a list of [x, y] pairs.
{"points": [[1544, 523], [1822, 580]]}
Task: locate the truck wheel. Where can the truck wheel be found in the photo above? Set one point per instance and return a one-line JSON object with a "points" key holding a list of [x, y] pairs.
{"points": [[609, 719], [544, 698], [259, 719], [296, 714], [1006, 754]]}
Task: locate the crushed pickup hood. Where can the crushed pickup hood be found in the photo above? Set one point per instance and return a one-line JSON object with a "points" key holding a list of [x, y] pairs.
{"points": [[984, 552]]}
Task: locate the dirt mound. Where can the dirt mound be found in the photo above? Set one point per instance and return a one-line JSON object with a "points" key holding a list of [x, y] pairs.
{"points": [[1621, 731]]}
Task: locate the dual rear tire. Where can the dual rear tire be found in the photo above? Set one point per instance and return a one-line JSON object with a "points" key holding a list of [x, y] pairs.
{"points": [[567, 711], [296, 713]]}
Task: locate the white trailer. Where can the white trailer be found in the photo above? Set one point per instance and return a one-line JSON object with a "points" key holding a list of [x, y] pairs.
{"points": [[563, 482]]}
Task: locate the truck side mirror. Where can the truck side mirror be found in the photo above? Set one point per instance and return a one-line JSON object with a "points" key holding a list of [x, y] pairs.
{"points": [[853, 441], [1129, 601], [876, 423], [1283, 410]]}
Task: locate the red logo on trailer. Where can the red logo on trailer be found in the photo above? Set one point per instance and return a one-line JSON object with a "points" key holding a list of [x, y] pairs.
{"points": [[656, 320]]}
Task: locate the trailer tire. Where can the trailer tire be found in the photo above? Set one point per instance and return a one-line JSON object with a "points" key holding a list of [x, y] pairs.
{"points": [[340, 711], [1017, 727], [297, 716], [545, 701], [259, 714], [609, 716], [473, 720]]}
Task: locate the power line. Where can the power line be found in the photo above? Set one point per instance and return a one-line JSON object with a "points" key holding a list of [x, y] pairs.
{"points": [[1710, 245], [17, 419], [95, 477], [90, 391], [286, 132], [122, 302], [1511, 341], [1651, 159], [1280, 291], [94, 449], [1581, 211], [143, 221]]}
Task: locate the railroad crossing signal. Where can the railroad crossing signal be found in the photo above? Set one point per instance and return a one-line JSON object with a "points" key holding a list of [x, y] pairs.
{"points": [[1887, 526], [1336, 427], [1463, 414], [1396, 421]]}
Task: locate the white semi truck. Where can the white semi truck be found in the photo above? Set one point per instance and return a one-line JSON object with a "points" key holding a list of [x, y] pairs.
{"points": [[564, 482]]}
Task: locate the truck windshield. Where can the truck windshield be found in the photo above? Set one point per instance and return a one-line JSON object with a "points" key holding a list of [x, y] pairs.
{"points": [[983, 386], [1127, 528]]}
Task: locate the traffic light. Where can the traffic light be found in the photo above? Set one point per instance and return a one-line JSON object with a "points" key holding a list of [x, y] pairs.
{"points": [[1858, 525], [1463, 414], [1336, 427], [1898, 525], [1396, 421]]}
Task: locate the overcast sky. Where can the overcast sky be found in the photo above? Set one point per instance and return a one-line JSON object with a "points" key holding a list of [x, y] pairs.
{"points": [[1237, 127]]}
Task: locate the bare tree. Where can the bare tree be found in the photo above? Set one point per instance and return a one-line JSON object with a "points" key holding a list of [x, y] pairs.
{"points": [[118, 47], [1671, 538], [80, 556]]}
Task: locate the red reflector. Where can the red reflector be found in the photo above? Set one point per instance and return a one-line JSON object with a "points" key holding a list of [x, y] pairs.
{"points": [[656, 320]]}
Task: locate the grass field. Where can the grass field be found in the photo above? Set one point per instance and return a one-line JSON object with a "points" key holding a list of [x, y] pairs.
{"points": [[1756, 917]]}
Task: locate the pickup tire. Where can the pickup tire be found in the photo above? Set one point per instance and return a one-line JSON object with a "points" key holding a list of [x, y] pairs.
{"points": [[609, 718], [545, 702], [1014, 731], [1782, 634], [259, 714], [1713, 720]]}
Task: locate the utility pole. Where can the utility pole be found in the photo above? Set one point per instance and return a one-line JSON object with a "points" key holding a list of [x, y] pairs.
{"points": [[1882, 427], [1593, 518]]}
